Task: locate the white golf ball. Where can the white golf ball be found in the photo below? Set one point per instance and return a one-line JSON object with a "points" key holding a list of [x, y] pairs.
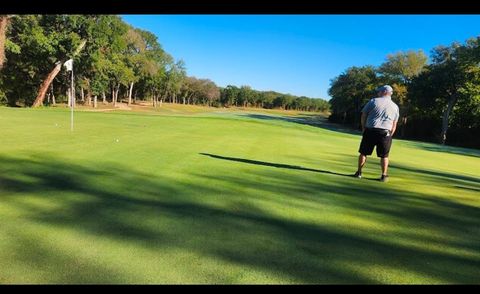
{"points": [[117, 140]]}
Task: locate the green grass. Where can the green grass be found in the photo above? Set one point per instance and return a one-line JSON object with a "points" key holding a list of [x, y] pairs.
{"points": [[227, 197]]}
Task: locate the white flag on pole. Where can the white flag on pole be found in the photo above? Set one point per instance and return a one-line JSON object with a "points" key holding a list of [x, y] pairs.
{"points": [[69, 64]]}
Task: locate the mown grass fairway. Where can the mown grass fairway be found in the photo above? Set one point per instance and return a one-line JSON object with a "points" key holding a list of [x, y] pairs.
{"points": [[227, 197]]}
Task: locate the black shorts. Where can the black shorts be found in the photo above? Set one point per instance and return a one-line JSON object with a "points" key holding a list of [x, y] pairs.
{"points": [[376, 137]]}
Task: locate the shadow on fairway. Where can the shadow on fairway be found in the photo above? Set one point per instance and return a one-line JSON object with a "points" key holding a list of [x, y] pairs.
{"points": [[438, 174], [260, 227], [321, 121], [444, 148], [277, 165], [468, 188], [318, 121]]}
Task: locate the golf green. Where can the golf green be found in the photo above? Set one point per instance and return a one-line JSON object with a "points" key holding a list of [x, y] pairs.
{"points": [[227, 197]]}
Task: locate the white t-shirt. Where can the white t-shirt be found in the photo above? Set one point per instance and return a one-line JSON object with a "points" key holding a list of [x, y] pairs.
{"points": [[381, 113]]}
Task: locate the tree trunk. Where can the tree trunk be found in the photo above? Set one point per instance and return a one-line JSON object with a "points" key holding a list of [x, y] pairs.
{"points": [[46, 84], [95, 101], [104, 98], [130, 94], [446, 114], [113, 96], [82, 94], [116, 94], [3, 38], [54, 103], [89, 97], [154, 101]]}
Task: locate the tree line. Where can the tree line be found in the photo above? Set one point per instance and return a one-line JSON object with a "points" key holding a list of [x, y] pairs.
{"points": [[439, 99], [113, 62]]}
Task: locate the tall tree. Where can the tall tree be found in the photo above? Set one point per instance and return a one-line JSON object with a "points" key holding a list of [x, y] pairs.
{"points": [[398, 70], [350, 91], [404, 66], [136, 58], [28, 52], [65, 37], [229, 95], [244, 95], [453, 76]]}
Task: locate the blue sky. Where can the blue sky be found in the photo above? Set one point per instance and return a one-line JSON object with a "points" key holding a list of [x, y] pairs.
{"points": [[296, 54]]}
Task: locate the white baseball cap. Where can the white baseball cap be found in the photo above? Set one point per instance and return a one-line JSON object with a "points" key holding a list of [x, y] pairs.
{"points": [[387, 88]]}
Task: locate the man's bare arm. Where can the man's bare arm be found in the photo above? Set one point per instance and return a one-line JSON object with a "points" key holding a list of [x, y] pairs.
{"points": [[363, 120], [394, 128]]}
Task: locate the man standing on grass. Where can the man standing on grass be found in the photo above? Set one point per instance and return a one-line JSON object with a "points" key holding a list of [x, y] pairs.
{"points": [[379, 122]]}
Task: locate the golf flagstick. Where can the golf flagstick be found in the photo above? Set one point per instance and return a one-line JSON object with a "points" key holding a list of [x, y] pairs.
{"points": [[69, 65]]}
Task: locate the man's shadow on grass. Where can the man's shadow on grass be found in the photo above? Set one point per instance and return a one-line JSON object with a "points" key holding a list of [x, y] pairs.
{"points": [[277, 165]]}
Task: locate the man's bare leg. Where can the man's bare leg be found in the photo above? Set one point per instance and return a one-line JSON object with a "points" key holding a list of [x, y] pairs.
{"points": [[384, 164], [362, 159]]}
